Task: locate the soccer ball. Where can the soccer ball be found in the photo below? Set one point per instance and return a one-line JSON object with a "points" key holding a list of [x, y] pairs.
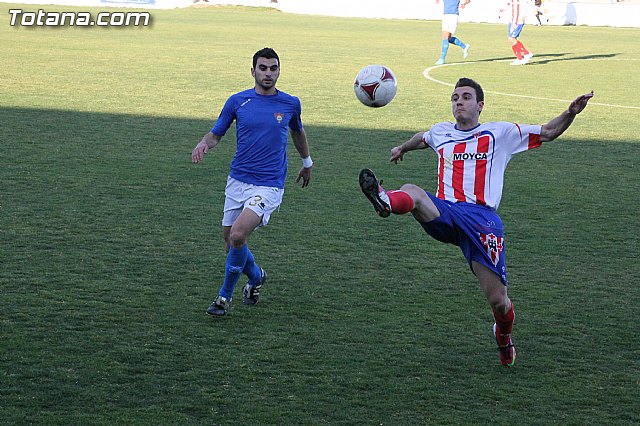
{"points": [[375, 85]]}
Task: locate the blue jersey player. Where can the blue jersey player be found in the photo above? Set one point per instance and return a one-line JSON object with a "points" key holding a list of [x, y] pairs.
{"points": [[449, 26], [264, 117]]}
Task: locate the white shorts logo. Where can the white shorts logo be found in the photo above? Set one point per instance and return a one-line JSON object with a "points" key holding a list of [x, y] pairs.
{"points": [[263, 200]]}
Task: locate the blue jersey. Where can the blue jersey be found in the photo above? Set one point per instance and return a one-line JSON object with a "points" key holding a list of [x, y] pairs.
{"points": [[262, 126], [451, 7]]}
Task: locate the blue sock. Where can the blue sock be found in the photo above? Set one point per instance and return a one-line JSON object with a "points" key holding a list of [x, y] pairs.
{"points": [[251, 269], [236, 260], [457, 42], [445, 47]]}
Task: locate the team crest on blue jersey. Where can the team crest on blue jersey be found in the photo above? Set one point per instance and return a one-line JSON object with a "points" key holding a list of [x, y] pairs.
{"points": [[279, 116], [493, 244]]}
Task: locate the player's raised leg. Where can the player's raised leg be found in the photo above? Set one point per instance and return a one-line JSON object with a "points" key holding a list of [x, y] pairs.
{"points": [[409, 198], [374, 192], [465, 47]]}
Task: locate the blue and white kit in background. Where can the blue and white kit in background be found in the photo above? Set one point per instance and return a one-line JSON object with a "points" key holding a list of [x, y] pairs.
{"points": [[471, 167], [450, 16], [451, 7], [259, 167]]}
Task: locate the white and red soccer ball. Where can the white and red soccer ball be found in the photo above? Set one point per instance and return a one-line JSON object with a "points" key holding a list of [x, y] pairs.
{"points": [[375, 85]]}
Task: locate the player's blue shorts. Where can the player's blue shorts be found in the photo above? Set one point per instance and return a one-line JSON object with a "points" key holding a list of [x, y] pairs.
{"points": [[476, 229], [515, 30]]}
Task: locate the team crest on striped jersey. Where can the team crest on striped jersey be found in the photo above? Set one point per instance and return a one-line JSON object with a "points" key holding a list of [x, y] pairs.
{"points": [[493, 244], [279, 116]]}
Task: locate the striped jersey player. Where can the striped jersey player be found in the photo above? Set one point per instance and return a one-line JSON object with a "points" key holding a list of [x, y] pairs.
{"points": [[471, 163], [517, 12], [472, 159]]}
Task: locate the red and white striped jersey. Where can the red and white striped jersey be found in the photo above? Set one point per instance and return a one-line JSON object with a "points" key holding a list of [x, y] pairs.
{"points": [[472, 163], [518, 10]]}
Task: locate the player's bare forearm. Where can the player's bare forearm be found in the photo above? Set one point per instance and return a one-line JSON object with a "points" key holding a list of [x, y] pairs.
{"points": [[207, 142], [558, 125], [302, 146], [300, 142], [414, 143], [397, 153]]}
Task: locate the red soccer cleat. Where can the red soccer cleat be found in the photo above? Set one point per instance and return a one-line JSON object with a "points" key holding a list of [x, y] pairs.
{"points": [[507, 353]]}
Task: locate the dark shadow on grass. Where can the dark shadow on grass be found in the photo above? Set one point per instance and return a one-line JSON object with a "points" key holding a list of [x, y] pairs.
{"points": [[111, 252], [508, 58], [103, 174], [545, 58], [573, 58]]}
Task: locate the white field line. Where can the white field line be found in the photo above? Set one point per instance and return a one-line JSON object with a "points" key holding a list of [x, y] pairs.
{"points": [[426, 74]]}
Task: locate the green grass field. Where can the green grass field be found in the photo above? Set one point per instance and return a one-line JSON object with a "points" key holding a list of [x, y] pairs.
{"points": [[111, 252]]}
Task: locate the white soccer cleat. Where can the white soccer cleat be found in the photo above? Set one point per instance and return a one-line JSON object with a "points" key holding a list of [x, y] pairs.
{"points": [[465, 51], [518, 62]]}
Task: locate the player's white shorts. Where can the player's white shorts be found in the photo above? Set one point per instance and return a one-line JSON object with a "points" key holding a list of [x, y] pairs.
{"points": [[263, 200], [449, 23]]}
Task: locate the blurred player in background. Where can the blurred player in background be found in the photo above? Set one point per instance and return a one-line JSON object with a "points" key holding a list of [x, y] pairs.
{"points": [[472, 159], [264, 116], [518, 10], [539, 7], [449, 26]]}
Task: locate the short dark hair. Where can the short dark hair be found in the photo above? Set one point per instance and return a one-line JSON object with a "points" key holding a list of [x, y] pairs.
{"points": [[267, 53], [467, 82]]}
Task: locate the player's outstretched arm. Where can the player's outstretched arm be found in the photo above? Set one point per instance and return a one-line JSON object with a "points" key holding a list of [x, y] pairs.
{"points": [[558, 125], [207, 142], [397, 153]]}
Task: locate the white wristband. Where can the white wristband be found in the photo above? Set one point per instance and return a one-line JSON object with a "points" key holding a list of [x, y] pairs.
{"points": [[307, 162]]}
